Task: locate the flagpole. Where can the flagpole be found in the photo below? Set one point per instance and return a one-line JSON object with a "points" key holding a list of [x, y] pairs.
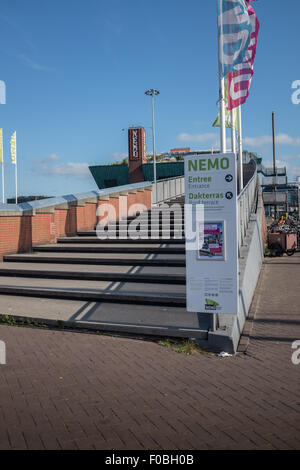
{"points": [[16, 178], [233, 136], [221, 85], [16, 173], [240, 149], [3, 191]]}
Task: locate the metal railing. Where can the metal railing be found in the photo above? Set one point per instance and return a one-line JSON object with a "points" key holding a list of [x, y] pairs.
{"points": [[274, 180], [247, 199], [247, 202], [270, 171], [168, 189], [273, 198], [26, 208]]}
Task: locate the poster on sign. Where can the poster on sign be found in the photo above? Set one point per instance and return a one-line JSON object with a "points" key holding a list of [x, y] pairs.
{"points": [[211, 241], [211, 233]]}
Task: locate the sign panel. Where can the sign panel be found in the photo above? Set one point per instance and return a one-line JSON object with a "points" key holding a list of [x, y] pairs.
{"points": [[212, 237], [137, 144]]}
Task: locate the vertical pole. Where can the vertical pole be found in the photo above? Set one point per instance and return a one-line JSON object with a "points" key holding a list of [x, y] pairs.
{"points": [[274, 149], [3, 190], [16, 173], [240, 150], [154, 151], [221, 81], [222, 117], [274, 161], [233, 136]]}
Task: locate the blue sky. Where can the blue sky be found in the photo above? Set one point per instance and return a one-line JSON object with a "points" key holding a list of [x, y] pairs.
{"points": [[76, 73]]}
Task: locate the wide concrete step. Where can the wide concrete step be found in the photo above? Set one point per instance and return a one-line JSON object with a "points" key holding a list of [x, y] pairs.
{"points": [[121, 242], [103, 259], [99, 269], [146, 234], [73, 248], [149, 221], [25, 271], [107, 316], [166, 207], [156, 215], [96, 291], [166, 229]]}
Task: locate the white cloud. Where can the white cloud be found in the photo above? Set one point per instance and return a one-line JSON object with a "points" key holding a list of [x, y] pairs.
{"points": [[212, 140], [259, 141], [292, 169], [47, 166], [118, 156], [281, 139], [71, 169], [53, 156], [286, 139], [184, 137]]}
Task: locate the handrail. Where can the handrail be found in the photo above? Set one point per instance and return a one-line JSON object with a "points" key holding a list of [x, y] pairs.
{"points": [[247, 201], [247, 185], [168, 189], [69, 198]]}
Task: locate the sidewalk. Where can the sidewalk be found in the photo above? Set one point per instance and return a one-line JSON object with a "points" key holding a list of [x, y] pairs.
{"points": [[70, 390]]}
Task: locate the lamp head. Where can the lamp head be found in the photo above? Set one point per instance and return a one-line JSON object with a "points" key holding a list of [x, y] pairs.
{"points": [[152, 92]]}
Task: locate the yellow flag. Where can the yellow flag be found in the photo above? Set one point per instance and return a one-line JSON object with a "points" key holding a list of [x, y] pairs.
{"points": [[1, 146], [13, 148], [228, 122]]}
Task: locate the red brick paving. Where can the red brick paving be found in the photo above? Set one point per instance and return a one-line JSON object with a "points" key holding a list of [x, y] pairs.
{"points": [[70, 390]]}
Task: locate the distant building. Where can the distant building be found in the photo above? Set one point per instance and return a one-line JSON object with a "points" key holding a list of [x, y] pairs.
{"points": [[138, 168], [180, 151], [285, 198], [21, 199]]}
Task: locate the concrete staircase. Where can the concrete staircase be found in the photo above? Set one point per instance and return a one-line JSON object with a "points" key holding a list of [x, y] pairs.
{"points": [[143, 280]]}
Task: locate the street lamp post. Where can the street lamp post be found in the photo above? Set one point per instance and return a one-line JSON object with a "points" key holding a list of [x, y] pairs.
{"points": [[153, 93]]}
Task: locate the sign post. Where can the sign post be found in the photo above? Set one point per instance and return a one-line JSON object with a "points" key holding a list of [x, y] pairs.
{"points": [[212, 244], [136, 153]]}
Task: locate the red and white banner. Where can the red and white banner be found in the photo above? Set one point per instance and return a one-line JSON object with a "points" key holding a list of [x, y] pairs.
{"points": [[239, 82]]}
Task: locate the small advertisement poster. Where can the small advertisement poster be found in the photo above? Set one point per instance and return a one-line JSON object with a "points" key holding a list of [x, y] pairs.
{"points": [[211, 241], [211, 233]]}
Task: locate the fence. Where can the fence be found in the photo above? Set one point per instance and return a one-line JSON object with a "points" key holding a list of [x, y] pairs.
{"points": [[247, 201], [270, 171], [25, 225], [274, 180], [168, 189], [274, 198]]}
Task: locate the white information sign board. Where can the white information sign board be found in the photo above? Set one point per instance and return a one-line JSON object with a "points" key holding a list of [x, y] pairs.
{"points": [[212, 238]]}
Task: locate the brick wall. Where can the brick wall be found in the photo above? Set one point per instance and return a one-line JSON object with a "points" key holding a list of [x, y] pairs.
{"points": [[15, 234], [19, 233], [60, 220], [43, 229]]}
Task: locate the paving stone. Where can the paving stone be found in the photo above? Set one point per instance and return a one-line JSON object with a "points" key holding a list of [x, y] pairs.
{"points": [[72, 390]]}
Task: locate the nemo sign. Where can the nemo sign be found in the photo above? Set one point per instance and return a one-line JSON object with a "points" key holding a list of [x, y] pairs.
{"points": [[137, 144]]}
